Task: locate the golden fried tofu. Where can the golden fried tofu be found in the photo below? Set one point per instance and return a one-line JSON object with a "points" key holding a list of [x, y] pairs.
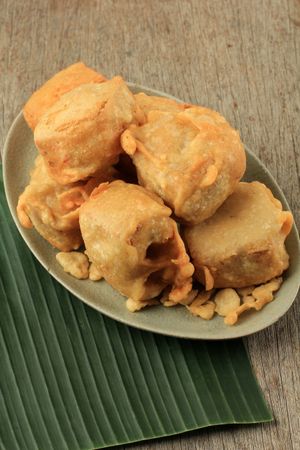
{"points": [[130, 237], [192, 159], [62, 82], [148, 103], [79, 136], [242, 244], [53, 209]]}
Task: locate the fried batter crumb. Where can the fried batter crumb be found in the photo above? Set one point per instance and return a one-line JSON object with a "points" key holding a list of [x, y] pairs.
{"points": [[74, 263]]}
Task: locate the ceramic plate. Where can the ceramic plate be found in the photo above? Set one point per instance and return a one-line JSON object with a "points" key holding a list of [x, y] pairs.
{"points": [[18, 157]]}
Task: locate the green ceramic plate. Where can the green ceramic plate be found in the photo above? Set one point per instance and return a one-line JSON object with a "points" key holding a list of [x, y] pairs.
{"points": [[18, 157]]}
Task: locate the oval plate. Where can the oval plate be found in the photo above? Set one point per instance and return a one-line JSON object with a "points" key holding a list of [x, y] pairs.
{"points": [[18, 157]]}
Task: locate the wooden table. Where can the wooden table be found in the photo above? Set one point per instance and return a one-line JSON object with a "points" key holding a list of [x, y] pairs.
{"points": [[240, 57]]}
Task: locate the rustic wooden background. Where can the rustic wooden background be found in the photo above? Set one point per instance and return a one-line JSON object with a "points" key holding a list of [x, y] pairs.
{"points": [[240, 57]]}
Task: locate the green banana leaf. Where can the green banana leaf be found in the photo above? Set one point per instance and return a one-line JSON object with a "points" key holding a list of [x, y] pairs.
{"points": [[71, 378]]}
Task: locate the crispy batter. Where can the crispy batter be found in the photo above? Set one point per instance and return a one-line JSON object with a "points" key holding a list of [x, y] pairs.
{"points": [[189, 298], [203, 297], [164, 299], [135, 305], [243, 292], [129, 234], [53, 209], [169, 303], [202, 306], [248, 299], [243, 243], [209, 280], [264, 295], [192, 159], [74, 263], [204, 310], [79, 136], [95, 273], [62, 82], [264, 292], [226, 300]]}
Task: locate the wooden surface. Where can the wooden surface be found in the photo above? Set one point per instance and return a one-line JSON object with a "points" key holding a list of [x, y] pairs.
{"points": [[239, 57]]}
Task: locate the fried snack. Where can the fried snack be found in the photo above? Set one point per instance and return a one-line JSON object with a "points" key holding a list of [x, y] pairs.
{"points": [[189, 298], [203, 297], [94, 273], [62, 82], [248, 299], [52, 208], [264, 295], [226, 300], [205, 310], [74, 263], [129, 235], [265, 291], [165, 298], [202, 306], [135, 305], [148, 103], [243, 243], [192, 159], [245, 291], [79, 136]]}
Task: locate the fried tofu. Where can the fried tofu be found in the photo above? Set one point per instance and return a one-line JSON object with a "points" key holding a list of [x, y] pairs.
{"points": [[53, 209], [79, 136], [130, 237], [192, 159], [242, 244], [62, 82]]}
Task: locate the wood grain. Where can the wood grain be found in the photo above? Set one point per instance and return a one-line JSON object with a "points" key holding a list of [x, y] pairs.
{"points": [[236, 56]]}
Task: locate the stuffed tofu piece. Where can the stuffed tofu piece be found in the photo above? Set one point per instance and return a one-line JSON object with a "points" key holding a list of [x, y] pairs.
{"points": [[79, 136], [51, 91], [192, 159], [53, 209], [130, 237], [243, 243]]}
